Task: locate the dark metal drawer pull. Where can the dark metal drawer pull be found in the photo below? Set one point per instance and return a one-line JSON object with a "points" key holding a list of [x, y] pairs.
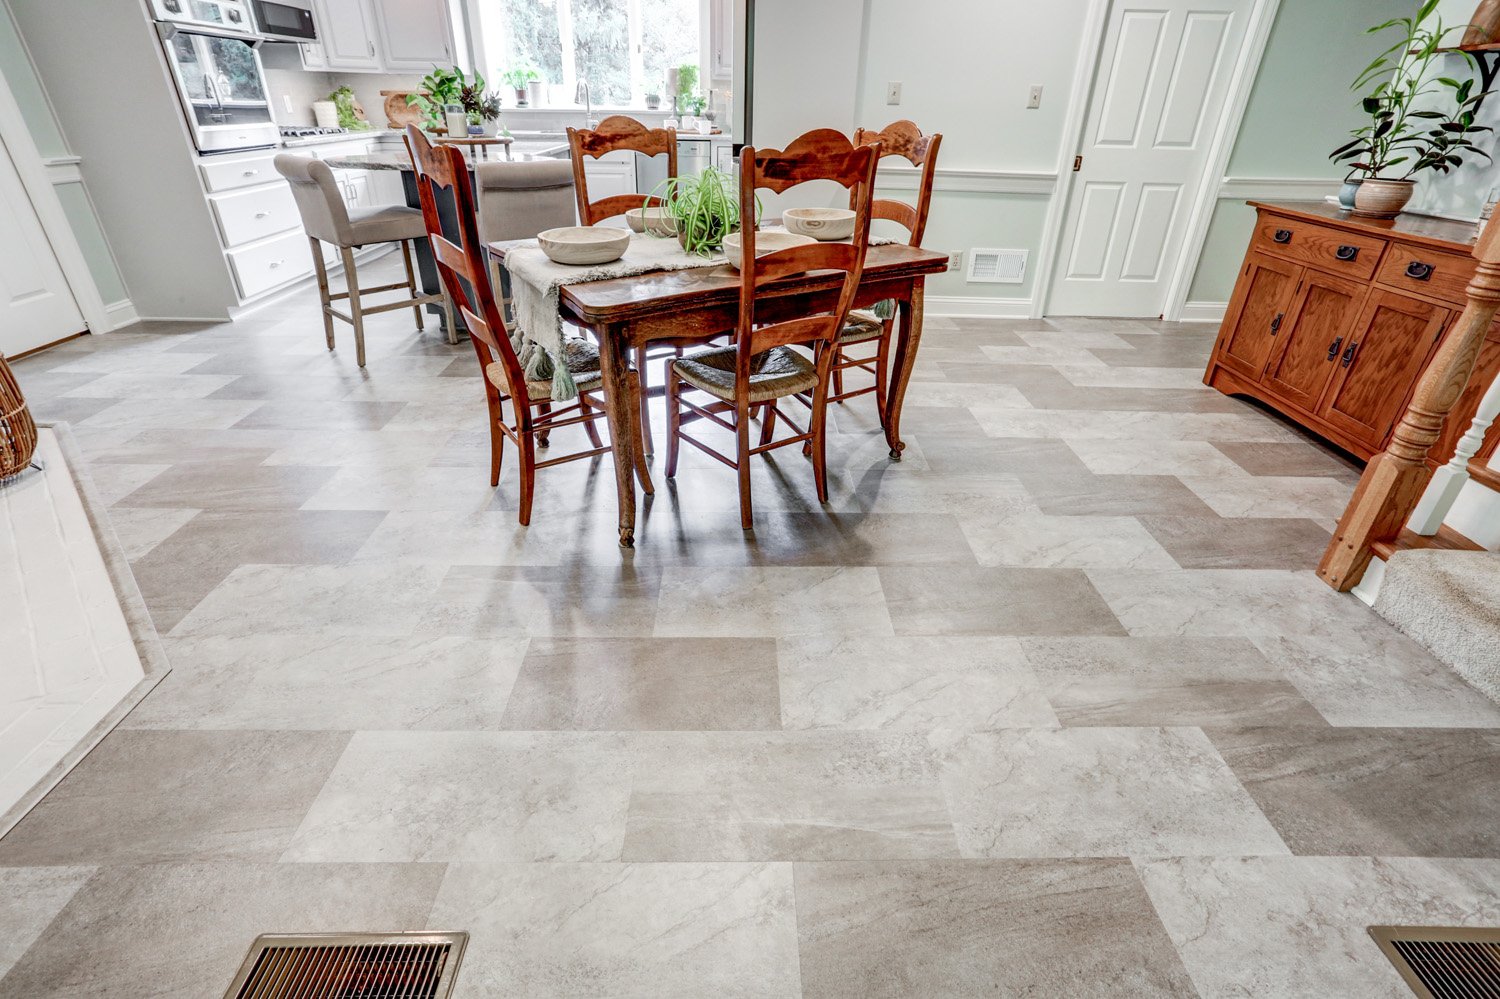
{"points": [[1347, 253], [1283, 236], [1418, 271], [1349, 354], [1333, 348], [1276, 323]]}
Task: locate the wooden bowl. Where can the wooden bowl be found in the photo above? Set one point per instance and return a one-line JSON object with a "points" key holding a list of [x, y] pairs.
{"points": [[584, 244], [765, 242], [825, 224], [652, 220]]}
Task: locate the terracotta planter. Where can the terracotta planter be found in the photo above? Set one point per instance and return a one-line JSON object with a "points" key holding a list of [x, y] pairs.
{"points": [[1383, 199]]}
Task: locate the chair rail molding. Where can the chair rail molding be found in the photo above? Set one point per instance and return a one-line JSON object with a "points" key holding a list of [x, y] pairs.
{"points": [[969, 181], [1277, 188]]}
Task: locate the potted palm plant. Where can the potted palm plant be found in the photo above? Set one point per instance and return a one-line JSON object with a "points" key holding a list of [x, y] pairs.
{"points": [[1418, 120]]}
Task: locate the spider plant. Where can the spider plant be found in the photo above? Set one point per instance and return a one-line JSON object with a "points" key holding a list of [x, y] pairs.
{"points": [[705, 208]]}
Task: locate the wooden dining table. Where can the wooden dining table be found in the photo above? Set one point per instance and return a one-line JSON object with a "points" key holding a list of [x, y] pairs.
{"points": [[625, 314]]}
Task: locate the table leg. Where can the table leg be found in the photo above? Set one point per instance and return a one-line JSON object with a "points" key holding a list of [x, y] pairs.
{"points": [[905, 359], [621, 409]]}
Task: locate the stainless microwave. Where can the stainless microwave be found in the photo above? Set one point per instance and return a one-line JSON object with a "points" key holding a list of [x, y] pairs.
{"points": [[285, 20]]}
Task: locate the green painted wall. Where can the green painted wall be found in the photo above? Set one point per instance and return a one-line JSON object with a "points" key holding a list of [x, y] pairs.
{"points": [[1300, 108], [18, 73]]}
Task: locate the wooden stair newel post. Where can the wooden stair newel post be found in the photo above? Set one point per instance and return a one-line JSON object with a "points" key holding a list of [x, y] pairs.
{"points": [[1394, 480]]}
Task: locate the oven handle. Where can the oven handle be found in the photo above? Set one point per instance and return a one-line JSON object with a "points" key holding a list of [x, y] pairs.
{"points": [[169, 30]]}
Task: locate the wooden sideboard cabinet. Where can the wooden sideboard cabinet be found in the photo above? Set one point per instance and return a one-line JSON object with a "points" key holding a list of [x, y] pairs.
{"points": [[1334, 318]]}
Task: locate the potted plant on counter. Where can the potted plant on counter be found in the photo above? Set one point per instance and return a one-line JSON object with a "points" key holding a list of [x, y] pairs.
{"points": [[1418, 121], [517, 77], [440, 88]]}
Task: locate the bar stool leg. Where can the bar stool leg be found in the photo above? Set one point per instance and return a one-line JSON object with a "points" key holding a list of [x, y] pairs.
{"points": [[448, 316], [322, 269], [411, 280], [356, 311]]}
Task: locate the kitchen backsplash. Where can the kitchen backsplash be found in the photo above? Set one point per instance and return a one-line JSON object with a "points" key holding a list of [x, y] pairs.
{"points": [[286, 78]]}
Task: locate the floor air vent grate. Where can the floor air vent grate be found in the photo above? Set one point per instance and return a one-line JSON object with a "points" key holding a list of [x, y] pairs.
{"points": [[1443, 962], [350, 966]]}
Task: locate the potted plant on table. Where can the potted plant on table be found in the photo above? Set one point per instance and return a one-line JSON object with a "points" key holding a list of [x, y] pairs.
{"points": [[1417, 121], [517, 77], [704, 209], [482, 107]]}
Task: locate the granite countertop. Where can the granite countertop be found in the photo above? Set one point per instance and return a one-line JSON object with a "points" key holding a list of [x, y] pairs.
{"points": [[520, 152]]}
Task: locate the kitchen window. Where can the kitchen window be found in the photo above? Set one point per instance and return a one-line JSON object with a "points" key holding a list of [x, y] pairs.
{"points": [[623, 48]]}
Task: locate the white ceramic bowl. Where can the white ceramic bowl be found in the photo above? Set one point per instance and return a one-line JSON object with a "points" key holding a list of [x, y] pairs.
{"points": [[819, 223], [580, 244], [652, 219], [765, 242]]}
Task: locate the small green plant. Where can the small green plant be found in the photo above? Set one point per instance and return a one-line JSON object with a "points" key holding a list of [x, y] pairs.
{"points": [[440, 88], [519, 75], [1398, 133], [693, 103], [343, 100], [687, 79], [705, 208], [479, 104]]}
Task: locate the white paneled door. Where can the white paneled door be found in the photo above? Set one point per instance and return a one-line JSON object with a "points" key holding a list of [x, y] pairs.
{"points": [[36, 305], [1159, 91]]}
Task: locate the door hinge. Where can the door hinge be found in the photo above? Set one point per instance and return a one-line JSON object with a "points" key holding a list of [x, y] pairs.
{"points": [[1077, 163]]}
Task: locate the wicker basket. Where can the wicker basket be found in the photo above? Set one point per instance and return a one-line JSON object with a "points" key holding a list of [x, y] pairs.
{"points": [[17, 428]]}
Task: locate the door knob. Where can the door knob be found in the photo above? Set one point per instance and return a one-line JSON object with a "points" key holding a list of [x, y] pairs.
{"points": [[1333, 348]]}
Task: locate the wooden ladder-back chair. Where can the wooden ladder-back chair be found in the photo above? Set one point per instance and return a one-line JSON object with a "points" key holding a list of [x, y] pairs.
{"points": [[761, 366], [903, 139], [614, 134], [466, 276]]}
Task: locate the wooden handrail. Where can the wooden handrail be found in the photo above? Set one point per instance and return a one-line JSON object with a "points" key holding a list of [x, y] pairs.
{"points": [[1395, 479]]}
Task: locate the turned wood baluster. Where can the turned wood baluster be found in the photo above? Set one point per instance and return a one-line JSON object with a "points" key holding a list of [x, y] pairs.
{"points": [[1394, 480]]}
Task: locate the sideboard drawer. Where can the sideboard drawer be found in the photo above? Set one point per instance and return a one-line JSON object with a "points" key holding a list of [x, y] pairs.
{"points": [[1423, 271], [1331, 250]]}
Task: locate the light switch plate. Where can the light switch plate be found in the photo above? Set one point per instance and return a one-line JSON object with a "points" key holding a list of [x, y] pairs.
{"points": [[893, 92], [286, 100], [1035, 100]]}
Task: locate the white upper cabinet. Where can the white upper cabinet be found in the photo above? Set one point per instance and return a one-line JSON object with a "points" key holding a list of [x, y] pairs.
{"points": [[347, 30], [415, 34], [721, 36]]}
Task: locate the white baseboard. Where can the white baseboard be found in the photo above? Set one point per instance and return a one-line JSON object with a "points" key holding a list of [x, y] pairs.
{"points": [[974, 307], [121, 314], [1203, 312]]}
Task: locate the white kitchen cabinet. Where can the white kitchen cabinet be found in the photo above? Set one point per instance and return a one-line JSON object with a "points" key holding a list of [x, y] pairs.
{"points": [[347, 30], [721, 37], [415, 35], [313, 58], [610, 174]]}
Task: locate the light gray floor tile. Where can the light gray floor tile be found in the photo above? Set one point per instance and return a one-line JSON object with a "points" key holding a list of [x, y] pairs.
{"points": [[785, 796], [446, 796], [1240, 543], [483, 537], [1165, 681], [1273, 495], [1296, 927], [320, 681], [771, 602], [180, 931], [29, 899], [570, 600], [908, 684], [1227, 602], [1084, 424], [1098, 792], [146, 413], [153, 386], [1158, 457], [147, 797], [995, 601], [655, 684], [1379, 677], [141, 529], [981, 928], [336, 600], [1033, 540], [623, 931]]}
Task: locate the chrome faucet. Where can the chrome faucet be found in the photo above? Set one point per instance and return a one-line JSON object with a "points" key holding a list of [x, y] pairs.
{"points": [[584, 97]]}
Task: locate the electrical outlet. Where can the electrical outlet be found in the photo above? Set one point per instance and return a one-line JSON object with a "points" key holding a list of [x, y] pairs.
{"points": [[956, 261], [286, 101], [893, 93], [1035, 100]]}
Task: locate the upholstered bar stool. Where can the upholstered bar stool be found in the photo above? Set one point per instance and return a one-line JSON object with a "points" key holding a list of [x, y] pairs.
{"points": [[326, 218], [518, 201]]}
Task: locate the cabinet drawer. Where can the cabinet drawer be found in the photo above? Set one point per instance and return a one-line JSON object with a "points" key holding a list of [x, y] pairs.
{"points": [[224, 176], [264, 266], [1332, 250], [256, 214], [1421, 271]]}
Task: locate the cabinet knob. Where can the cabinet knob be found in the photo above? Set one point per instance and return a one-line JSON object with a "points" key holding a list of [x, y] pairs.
{"points": [[1418, 271], [1347, 253], [261, 215], [1282, 236], [1333, 348], [1349, 354], [1276, 323], [251, 173]]}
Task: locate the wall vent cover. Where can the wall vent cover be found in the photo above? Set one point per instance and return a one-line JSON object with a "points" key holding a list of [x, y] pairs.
{"points": [[416, 965], [998, 266], [1444, 962]]}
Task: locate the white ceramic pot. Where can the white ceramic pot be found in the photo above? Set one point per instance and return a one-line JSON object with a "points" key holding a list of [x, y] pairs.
{"points": [[536, 93], [1383, 199]]}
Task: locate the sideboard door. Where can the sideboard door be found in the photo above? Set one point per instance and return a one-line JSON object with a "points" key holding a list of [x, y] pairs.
{"points": [[1310, 345], [1379, 365], [1257, 313]]}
